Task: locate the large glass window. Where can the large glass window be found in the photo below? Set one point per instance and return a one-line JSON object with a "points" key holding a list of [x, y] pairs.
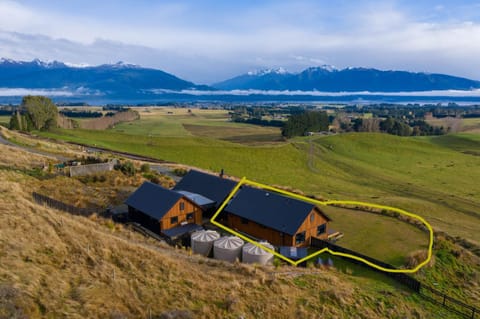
{"points": [[321, 229], [189, 216], [174, 220], [300, 238], [182, 205]]}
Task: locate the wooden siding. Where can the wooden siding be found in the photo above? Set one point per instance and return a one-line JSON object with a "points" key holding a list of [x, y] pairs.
{"points": [[276, 237], [175, 211], [310, 227]]}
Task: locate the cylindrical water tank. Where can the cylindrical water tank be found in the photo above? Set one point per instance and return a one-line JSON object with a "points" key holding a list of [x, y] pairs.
{"points": [[253, 254], [202, 241], [227, 248]]}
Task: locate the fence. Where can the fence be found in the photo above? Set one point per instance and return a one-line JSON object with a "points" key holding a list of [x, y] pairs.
{"points": [[428, 293], [50, 202]]}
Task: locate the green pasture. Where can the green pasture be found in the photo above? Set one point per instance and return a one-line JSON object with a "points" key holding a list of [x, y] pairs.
{"points": [[435, 177], [364, 231], [5, 120]]}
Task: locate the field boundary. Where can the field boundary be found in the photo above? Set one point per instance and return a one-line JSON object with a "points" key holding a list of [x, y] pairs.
{"points": [[245, 181]]}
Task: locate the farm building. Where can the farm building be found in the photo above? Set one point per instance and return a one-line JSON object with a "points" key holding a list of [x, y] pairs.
{"points": [[208, 186], [281, 220], [164, 211]]}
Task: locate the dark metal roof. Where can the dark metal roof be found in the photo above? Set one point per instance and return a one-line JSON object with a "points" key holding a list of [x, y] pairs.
{"points": [[153, 200], [197, 198], [284, 214], [181, 230], [207, 185]]}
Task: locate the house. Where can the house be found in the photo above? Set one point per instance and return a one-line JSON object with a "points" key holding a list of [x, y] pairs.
{"points": [[281, 220], [212, 187], [163, 211]]}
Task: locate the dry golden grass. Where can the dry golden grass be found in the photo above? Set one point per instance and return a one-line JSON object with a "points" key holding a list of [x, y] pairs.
{"points": [[55, 265]]}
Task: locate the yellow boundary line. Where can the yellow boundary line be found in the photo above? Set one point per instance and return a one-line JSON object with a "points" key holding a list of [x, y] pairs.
{"points": [[245, 181]]}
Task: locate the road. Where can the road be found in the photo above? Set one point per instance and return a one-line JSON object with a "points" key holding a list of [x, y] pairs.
{"points": [[56, 157]]}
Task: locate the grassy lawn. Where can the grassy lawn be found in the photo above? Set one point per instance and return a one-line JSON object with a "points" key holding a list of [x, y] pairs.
{"points": [[364, 231], [4, 120]]}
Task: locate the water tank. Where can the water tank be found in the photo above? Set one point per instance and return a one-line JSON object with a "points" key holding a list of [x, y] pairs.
{"points": [[202, 241], [227, 248], [253, 254]]}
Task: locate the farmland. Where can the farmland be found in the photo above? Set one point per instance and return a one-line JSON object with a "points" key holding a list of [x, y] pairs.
{"points": [[88, 267], [425, 175]]}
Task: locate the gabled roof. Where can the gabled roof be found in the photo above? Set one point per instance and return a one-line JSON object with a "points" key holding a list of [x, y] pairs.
{"points": [[153, 200], [207, 185], [282, 213]]}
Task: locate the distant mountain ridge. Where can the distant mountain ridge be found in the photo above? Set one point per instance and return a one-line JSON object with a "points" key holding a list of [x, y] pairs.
{"points": [[329, 79], [112, 79], [129, 82]]}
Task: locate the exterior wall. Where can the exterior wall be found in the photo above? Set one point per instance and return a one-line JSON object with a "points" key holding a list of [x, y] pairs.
{"points": [[278, 238], [261, 232], [310, 227], [175, 211], [144, 220]]}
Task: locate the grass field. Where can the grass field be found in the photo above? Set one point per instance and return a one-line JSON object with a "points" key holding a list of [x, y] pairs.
{"points": [[179, 122], [363, 230], [435, 177], [4, 120]]}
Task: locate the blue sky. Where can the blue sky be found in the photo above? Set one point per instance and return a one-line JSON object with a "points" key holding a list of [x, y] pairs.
{"points": [[208, 41]]}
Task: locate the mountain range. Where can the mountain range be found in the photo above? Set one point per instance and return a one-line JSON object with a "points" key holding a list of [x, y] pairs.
{"points": [[122, 80], [112, 79], [329, 79]]}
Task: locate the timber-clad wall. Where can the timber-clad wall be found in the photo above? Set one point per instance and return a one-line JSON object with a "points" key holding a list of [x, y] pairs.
{"points": [[276, 237], [181, 214]]}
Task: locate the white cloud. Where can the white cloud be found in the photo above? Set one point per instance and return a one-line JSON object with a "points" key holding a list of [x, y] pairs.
{"points": [[267, 35]]}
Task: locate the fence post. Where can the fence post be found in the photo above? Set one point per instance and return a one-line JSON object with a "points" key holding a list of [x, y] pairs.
{"points": [[473, 313], [444, 296]]}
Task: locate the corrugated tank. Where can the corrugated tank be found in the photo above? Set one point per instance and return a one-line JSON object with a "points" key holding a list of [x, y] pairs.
{"points": [[228, 248], [253, 254], [202, 241]]}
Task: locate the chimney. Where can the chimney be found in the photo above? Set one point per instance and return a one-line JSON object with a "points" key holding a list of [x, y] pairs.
{"points": [[221, 173]]}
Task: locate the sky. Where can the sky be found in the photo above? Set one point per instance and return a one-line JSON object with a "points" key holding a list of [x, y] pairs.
{"points": [[210, 41]]}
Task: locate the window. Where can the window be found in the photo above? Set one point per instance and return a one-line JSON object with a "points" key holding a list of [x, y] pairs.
{"points": [[174, 220], [321, 229], [244, 221], [182, 206], [189, 216], [312, 217], [300, 238]]}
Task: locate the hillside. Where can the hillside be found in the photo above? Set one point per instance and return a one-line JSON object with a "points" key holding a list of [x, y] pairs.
{"points": [[329, 79], [414, 173], [53, 264]]}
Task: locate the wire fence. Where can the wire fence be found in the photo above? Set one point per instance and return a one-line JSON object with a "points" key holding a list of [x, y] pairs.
{"points": [[427, 292]]}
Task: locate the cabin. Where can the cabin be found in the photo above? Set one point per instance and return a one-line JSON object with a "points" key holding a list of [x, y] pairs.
{"points": [[210, 187], [163, 211], [278, 219]]}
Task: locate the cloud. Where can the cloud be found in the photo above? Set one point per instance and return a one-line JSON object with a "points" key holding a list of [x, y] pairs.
{"points": [[204, 45], [9, 92]]}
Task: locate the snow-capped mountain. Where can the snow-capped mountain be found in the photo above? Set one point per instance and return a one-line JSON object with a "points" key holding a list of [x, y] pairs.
{"points": [[279, 70], [327, 78], [113, 79]]}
